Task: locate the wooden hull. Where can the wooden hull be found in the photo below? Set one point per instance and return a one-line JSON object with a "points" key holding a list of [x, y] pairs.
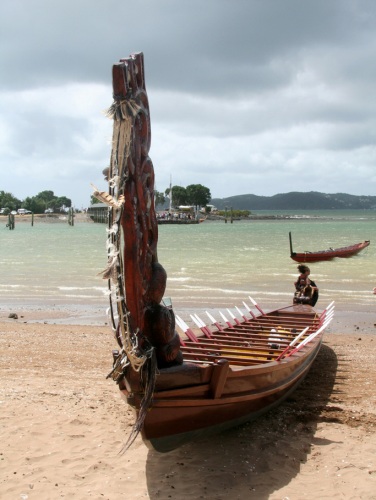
{"points": [[227, 380], [329, 254]]}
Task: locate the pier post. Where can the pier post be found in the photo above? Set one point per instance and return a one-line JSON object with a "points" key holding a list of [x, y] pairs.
{"points": [[11, 221], [71, 216]]}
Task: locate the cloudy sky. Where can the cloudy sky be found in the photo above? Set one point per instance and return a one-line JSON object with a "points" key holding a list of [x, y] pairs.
{"points": [[246, 96]]}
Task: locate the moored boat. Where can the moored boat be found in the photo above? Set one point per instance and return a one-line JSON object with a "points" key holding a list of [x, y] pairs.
{"points": [[201, 380], [329, 254], [179, 221]]}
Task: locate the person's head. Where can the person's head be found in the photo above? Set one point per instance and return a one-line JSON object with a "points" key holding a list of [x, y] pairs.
{"points": [[303, 269]]}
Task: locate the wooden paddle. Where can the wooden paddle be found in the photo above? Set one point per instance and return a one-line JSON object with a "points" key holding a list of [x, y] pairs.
{"points": [[256, 305], [309, 338], [214, 321], [183, 325], [292, 343]]}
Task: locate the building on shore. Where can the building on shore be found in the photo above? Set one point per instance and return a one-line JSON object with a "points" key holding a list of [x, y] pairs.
{"points": [[98, 212]]}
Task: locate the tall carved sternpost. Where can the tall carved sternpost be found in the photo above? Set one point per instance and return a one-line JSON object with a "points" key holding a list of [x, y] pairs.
{"points": [[137, 279]]}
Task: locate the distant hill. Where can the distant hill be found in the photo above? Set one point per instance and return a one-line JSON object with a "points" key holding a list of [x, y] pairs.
{"points": [[296, 201]]}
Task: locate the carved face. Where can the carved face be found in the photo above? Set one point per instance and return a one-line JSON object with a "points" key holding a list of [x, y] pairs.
{"points": [[157, 284]]}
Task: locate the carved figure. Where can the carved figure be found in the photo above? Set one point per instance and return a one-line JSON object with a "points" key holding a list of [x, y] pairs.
{"points": [[137, 280]]}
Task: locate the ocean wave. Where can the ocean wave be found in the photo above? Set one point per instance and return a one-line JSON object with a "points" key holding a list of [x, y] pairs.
{"points": [[180, 280], [10, 285], [72, 288]]}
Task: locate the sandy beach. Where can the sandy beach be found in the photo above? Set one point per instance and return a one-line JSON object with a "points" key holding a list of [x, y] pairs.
{"points": [[63, 426]]}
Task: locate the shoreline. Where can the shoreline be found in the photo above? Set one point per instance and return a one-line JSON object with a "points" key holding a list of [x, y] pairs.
{"points": [[84, 217], [48, 218], [345, 320]]}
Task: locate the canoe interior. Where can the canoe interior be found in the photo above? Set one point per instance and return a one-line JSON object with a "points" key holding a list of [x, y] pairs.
{"points": [[228, 379]]}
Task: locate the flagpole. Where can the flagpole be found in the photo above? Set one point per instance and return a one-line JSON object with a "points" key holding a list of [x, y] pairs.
{"points": [[170, 194]]}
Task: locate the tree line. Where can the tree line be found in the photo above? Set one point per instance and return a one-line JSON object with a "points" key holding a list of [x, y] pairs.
{"points": [[194, 194], [37, 204]]}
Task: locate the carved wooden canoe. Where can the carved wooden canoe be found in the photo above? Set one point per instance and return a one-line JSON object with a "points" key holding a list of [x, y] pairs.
{"points": [[182, 384], [228, 378], [328, 254]]}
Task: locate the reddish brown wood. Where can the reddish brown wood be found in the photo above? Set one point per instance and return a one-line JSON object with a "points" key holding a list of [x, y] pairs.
{"points": [[227, 379], [144, 278], [330, 254]]}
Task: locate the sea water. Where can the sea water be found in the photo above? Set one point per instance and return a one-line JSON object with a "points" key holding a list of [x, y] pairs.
{"points": [[212, 265], [51, 266], [222, 264]]}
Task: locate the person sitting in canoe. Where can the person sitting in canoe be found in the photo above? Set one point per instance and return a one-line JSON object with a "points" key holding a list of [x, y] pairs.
{"points": [[306, 290]]}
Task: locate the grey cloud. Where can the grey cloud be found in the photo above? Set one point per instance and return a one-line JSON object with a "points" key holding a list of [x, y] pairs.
{"points": [[252, 87], [215, 46]]}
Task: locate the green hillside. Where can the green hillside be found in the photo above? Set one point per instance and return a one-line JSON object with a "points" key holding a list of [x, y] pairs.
{"points": [[296, 201]]}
